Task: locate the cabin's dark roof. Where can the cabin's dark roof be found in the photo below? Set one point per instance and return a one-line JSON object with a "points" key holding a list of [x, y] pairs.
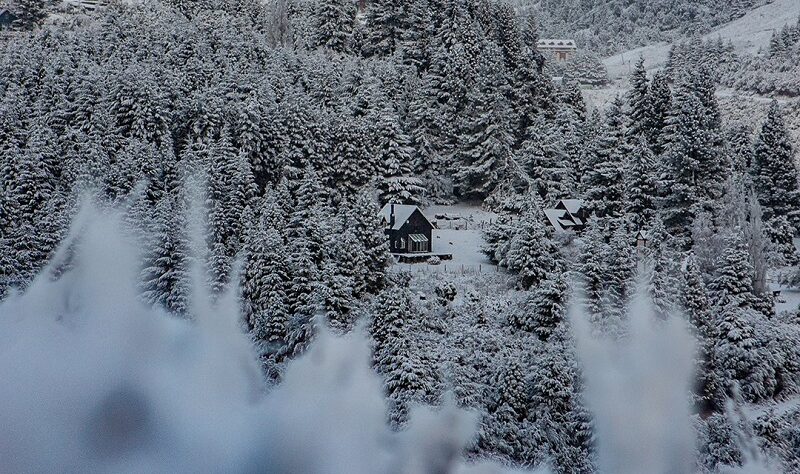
{"points": [[565, 215], [402, 212]]}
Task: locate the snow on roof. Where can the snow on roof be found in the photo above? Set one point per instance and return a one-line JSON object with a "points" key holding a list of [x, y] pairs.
{"points": [[556, 43], [555, 217], [571, 205], [401, 214]]}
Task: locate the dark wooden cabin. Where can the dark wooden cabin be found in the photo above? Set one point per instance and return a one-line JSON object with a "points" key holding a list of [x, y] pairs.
{"points": [[7, 19], [409, 231]]}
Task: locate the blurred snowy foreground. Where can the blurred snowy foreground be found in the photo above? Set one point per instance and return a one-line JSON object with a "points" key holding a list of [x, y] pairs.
{"points": [[93, 381]]}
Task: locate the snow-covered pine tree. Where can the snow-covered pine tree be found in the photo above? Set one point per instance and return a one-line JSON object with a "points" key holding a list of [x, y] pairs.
{"points": [[385, 19], [307, 193], [544, 157], [484, 148], [139, 105], [165, 278], [418, 34], [694, 164], [603, 183], [395, 355], [556, 411], [351, 164], [30, 13], [265, 283], [336, 289], [334, 21], [503, 432], [775, 175], [591, 266], [781, 233], [531, 253], [659, 99], [639, 108], [368, 229], [303, 272], [393, 154], [733, 284], [660, 260], [621, 265], [223, 213], [695, 304], [740, 358], [641, 185], [545, 309]]}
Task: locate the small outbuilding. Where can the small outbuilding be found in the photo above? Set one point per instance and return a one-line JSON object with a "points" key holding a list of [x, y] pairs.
{"points": [[409, 231], [7, 19], [560, 50], [642, 239]]}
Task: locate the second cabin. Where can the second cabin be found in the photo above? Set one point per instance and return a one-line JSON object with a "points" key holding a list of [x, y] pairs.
{"points": [[408, 229], [560, 50]]}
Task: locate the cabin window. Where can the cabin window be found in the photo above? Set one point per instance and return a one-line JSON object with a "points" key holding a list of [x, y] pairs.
{"points": [[419, 243], [402, 243]]}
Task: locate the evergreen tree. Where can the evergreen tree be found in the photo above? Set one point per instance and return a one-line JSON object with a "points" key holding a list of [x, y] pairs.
{"points": [[531, 253], [166, 273], [368, 229], [603, 181], [334, 21], [351, 161], [641, 186], [385, 19], [639, 122], [303, 273], [393, 155], [556, 409], [774, 170], [30, 13], [485, 141], [660, 264], [336, 290], [545, 309], [694, 165], [733, 284], [696, 305], [395, 354], [621, 265], [659, 100], [266, 278]]}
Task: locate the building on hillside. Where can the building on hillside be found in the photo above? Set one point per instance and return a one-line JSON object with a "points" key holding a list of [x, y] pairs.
{"points": [[568, 214], [642, 240], [7, 19], [560, 50], [88, 5], [409, 231]]}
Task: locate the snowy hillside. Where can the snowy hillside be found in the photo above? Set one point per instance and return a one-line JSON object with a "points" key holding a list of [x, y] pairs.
{"points": [[749, 34], [400, 237]]}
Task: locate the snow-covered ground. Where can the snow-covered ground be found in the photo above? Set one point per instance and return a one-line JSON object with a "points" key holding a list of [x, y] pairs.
{"points": [[748, 34]]}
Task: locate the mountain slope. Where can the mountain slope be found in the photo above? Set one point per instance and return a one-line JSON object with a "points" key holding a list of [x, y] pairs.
{"points": [[748, 34]]}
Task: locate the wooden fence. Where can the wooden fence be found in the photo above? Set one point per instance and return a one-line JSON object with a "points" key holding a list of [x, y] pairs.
{"points": [[453, 269]]}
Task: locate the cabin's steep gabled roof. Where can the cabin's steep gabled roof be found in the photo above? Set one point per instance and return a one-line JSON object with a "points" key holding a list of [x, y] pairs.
{"points": [[402, 212]]}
